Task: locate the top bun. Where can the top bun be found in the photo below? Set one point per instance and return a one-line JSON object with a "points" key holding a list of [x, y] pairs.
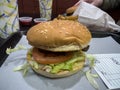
{"points": [[59, 35]]}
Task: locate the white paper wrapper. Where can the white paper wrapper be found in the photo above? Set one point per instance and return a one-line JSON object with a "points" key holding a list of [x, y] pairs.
{"points": [[95, 19]]}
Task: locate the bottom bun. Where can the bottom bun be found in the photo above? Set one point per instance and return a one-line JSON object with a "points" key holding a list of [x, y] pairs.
{"points": [[59, 75]]}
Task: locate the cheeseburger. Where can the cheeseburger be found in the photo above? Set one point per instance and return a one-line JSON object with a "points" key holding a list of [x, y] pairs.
{"points": [[57, 47]]}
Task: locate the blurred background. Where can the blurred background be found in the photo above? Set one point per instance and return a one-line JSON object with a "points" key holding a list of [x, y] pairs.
{"points": [[13, 13]]}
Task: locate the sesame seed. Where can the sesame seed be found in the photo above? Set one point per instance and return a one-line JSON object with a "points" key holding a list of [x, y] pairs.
{"points": [[46, 30], [60, 31], [63, 28], [46, 37], [66, 33], [42, 32]]}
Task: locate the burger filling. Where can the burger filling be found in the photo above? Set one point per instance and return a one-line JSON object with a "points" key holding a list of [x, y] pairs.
{"points": [[53, 62]]}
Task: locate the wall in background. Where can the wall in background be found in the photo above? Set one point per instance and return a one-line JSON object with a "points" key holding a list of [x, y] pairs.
{"points": [[31, 7]]}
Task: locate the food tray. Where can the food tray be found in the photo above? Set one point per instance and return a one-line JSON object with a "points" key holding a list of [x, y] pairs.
{"points": [[11, 41]]}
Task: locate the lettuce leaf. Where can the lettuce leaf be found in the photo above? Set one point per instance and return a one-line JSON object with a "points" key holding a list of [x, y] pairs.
{"points": [[19, 47], [91, 59], [57, 68], [75, 60], [91, 79], [68, 65], [23, 68]]}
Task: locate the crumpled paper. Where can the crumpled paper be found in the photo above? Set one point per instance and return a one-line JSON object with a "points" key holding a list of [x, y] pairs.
{"points": [[95, 18]]}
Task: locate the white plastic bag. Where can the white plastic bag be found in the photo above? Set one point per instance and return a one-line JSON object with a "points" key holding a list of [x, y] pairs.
{"points": [[95, 18]]}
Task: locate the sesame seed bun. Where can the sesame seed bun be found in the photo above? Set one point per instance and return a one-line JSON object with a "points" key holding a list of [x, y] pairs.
{"points": [[59, 35]]}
